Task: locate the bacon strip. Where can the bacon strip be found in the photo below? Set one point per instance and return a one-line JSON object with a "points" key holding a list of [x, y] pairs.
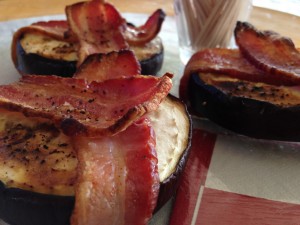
{"points": [[270, 52], [128, 160], [100, 67], [57, 28], [98, 27], [228, 62], [220, 61], [145, 33], [93, 109], [118, 180]]}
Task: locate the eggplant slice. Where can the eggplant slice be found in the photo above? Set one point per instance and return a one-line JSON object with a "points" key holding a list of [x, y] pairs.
{"points": [[38, 164], [37, 54], [253, 109]]}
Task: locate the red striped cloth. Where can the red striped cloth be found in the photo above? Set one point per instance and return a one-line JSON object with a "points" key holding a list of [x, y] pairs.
{"points": [[234, 180]]}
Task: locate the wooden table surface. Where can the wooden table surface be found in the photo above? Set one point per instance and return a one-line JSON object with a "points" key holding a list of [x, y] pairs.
{"points": [[283, 23]]}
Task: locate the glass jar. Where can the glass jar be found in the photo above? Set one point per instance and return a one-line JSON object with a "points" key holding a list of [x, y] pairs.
{"points": [[207, 23]]}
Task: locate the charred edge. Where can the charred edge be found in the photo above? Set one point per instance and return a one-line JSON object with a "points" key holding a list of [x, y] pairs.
{"points": [[88, 60], [169, 75], [132, 115], [27, 111], [72, 127], [135, 113], [98, 57], [163, 88], [162, 16], [245, 26], [240, 26]]}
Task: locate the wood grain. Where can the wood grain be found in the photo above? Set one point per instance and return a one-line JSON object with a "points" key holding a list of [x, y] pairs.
{"points": [[260, 17], [283, 23], [13, 9]]}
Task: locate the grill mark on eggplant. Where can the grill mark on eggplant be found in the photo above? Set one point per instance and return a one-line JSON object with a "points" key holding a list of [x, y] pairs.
{"points": [[277, 95], [32, 144]]}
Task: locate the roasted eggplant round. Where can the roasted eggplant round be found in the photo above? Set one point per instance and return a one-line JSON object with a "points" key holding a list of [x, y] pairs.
{"points": [[36, 54], [38, 165], [254, 109]]}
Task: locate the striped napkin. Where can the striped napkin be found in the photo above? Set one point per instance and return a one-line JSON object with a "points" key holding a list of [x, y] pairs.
{"points": [[230, 180]]}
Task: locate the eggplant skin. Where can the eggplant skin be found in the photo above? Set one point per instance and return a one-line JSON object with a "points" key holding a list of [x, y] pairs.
{"points": [[152, 65], [169, 186], [21, 207], [246, 116], [35, 64]]}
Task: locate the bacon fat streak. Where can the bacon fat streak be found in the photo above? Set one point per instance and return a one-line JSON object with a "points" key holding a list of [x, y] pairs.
{"points": [[118, 181]]}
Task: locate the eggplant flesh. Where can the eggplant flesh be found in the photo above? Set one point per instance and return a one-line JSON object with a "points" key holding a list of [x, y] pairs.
{"points": [[152, 65], [253, 109], [62, 60], [30, 63], [34, 206]]}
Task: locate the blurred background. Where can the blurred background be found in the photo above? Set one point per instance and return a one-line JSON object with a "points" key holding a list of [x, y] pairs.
{"points": [[10, 9]]}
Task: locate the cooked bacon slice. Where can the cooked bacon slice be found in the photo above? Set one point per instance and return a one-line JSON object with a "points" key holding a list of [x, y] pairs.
{"points": [[98, 26], [100, 67], [80, 108], [57, 28], [228, 62], [270, 52], [221, 61], [118, 180], [54, 28], [145, 33]]}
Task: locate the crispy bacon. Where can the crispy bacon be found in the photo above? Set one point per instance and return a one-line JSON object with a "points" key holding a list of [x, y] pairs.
{"points": [[220, 61], [98, 26], [52, 27], [145, 33], [270, 52], [93, 109], [128, 160], [100, 67], [118, 180], [228, 62]]}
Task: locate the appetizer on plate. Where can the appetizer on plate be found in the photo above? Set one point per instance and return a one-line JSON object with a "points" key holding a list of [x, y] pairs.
{"points": [[252, 90], [55, 47], [87, 149]]}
